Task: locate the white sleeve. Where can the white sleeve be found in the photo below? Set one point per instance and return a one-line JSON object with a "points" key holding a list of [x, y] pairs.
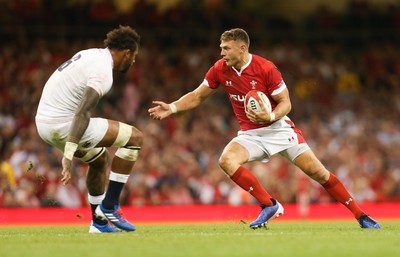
{"points": [[100, 79], [101, 82]]}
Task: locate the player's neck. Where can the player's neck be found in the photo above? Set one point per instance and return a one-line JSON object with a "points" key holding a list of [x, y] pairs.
{"points": [[244, 60]]}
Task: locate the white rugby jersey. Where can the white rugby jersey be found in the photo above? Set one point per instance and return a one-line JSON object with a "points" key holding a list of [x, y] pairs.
{"points": [[64, 90]]}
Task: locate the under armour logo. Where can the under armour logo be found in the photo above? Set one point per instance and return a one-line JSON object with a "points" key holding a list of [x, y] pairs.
{"points": [[348, 202], [250, 189], [228, 83], [290, 139]]}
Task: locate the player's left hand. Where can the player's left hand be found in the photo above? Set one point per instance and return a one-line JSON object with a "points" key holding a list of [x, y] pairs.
{"points": [[66, 172], [259, 117]]}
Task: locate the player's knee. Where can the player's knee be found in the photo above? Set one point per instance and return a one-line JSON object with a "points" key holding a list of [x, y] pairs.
{"points": [[96, 157], [311, 166], [318, 174], [228, 164], [101, 161], [130, 150], [224, 162], [136, 138], [128, 153], [322, 175]]}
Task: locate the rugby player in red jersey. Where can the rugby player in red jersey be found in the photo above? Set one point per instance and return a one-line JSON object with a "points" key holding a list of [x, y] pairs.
{"points": [[262, 134]]}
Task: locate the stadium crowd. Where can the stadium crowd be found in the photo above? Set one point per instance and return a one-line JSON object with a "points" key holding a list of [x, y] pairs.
{"points": [[346, 101]]}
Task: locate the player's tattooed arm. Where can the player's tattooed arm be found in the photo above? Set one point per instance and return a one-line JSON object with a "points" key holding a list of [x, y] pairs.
{"points": [[83, 114]]}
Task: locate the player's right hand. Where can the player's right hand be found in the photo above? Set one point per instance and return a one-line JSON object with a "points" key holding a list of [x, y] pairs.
{"points": [[160, 111], [66, 172]]}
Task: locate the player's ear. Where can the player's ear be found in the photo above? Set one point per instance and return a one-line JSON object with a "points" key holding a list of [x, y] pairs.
{"points": [[242, 48]]}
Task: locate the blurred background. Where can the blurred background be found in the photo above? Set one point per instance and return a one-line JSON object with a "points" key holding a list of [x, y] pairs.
{"points": [[340, 60]]}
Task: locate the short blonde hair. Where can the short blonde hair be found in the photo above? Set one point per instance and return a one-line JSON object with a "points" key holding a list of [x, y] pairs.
{"points": [[236, 34]]}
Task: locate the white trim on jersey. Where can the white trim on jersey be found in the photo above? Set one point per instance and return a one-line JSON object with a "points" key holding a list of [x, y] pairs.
{"points": [[280, 88]]}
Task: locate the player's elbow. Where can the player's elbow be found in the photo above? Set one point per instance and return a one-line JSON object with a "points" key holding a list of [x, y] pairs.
{"points": [[285, 107], [289, 107], [86, 115], [83, 117]]}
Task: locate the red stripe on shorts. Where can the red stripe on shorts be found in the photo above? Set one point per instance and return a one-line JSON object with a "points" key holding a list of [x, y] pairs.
{"points": [[300, 137]]}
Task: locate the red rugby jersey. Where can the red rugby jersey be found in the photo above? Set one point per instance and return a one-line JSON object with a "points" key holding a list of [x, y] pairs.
{"points": [[258, 73]]}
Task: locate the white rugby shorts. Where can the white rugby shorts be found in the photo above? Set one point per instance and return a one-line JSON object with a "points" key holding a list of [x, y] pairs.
{"points": [[281, 137], [56, 133]]}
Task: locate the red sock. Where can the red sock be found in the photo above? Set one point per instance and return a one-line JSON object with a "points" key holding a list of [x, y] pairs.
{"points": [[337, 190], [246, 180]]}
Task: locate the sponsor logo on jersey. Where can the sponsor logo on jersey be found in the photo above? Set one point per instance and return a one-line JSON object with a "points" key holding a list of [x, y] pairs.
{"points": [[239, 98]]}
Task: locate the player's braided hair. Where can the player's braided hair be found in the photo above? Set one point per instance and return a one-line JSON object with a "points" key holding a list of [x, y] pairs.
{"points": [[236, 34], [121, 38]]}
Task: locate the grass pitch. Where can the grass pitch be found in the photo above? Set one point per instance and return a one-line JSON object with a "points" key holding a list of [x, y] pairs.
{"points": [[280, 239]]}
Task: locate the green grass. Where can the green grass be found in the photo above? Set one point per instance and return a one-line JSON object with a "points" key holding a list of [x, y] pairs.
{"points": [[281, 239]]}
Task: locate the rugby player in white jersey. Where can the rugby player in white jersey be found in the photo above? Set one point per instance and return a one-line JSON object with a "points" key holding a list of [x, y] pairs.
{"points": [[263, 134], [64, 120]]}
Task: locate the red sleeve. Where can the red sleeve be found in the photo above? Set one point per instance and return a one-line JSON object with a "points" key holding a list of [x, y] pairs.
{"points": [[212, 75], [274, 78]]}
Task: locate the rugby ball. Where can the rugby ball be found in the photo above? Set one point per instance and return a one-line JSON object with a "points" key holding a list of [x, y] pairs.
{"points": [[254, 99]]}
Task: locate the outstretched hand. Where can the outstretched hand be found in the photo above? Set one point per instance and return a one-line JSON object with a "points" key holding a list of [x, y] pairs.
{"points": [[66, 172], [160, 111]]}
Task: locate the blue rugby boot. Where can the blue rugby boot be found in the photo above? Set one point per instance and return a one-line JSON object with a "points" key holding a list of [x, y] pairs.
{"points": [[114, 216], [366, 221], [267, 213], [106, 228]]}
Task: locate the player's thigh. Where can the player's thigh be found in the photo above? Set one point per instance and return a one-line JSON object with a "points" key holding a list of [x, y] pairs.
{"points": [[53, 134], [293, 152], [232, 157], [94, 133], [251, 149], [311, 165], [57, 134]]}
